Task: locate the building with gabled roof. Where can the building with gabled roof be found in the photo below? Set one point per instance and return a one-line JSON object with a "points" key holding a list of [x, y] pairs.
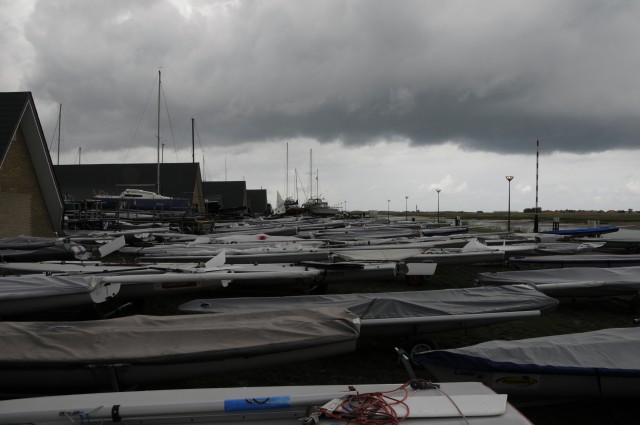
{"points": [[230, 196], [30, 198], [257, 202], [177, 180]]}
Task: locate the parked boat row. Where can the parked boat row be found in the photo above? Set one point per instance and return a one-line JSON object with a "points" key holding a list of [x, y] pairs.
{"points": [[217, 333]]}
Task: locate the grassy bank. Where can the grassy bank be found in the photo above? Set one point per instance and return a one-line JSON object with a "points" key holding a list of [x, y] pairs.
{"points": [[605, 218]]}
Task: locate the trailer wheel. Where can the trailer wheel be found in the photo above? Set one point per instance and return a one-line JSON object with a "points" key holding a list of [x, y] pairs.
{"points": [[422, 344]]}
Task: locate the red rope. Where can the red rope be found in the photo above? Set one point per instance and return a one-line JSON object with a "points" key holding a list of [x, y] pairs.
{"points": [[376, 408]]}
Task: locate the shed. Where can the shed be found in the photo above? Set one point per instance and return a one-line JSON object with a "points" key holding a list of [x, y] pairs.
{"points": [[231, 196], [257, 202]]}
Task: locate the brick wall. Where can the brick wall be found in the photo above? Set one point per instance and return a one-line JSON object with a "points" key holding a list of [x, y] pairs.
{"points": [[22, 208]]}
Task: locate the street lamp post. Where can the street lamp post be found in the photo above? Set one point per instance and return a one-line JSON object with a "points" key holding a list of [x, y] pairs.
{"points": [[509, 178], [438, 216], [406, 209], [388, 207]]}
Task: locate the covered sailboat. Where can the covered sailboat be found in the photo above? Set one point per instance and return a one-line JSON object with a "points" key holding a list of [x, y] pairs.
{"points": [[603, 363], [572, 281], [404, 313], [33, 293], [52, 356]]}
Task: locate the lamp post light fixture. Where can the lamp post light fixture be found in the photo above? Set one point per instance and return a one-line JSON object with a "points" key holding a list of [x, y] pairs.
{"points": [[438, 216], [509, 178], [406, 209], [388, 207]]}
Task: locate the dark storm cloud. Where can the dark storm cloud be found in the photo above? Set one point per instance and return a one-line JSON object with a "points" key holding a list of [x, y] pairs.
{"points": [[491, 75]]}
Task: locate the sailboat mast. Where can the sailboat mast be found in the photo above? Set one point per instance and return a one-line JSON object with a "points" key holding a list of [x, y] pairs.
{"points": [[193, 141], [311, 173], [158, 162], [59, 131], [535, 218]]}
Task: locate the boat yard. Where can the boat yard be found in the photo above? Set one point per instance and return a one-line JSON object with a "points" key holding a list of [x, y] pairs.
{"points": [[465, 315]]}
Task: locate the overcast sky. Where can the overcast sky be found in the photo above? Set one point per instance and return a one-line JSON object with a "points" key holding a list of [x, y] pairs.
{"points": [[381, 99]]}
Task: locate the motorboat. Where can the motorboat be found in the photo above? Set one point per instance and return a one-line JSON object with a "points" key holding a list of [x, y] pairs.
{"points": [[139, 199]]}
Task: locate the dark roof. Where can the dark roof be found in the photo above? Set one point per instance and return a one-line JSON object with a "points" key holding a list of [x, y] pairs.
{"points": [[84, 181], [229, 194], [12, 107]]}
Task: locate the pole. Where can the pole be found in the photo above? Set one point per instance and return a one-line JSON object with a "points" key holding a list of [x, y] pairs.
{"points": [[535, 218], [59, 131], [158, 162], [509, 178], [438, 215], [388, 209], [406, 210], [193, 141]]}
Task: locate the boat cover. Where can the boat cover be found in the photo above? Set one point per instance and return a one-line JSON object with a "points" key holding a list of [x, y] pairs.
{"points": [[32, 286], [583, 231], [606, 260], [145, 339], [387, 305], [604, 352], [617, 277], [566, 248], [28, 242], [29, 248]]}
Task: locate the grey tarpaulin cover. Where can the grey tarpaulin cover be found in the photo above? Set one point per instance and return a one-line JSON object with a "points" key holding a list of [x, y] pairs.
{"points": [[622, 277], [31, 286], [607, 351], [30, 248], [171, 339], [393, 304], [594, 260]]}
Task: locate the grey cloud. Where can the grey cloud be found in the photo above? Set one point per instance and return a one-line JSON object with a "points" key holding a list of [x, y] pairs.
{"points": [[490, 75]]}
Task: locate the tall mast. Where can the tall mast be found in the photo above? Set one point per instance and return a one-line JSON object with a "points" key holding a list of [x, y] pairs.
{"points": [[286, 175], [158, 162], [535, 218], [59, 131], [193, 143], [311, 173]]}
